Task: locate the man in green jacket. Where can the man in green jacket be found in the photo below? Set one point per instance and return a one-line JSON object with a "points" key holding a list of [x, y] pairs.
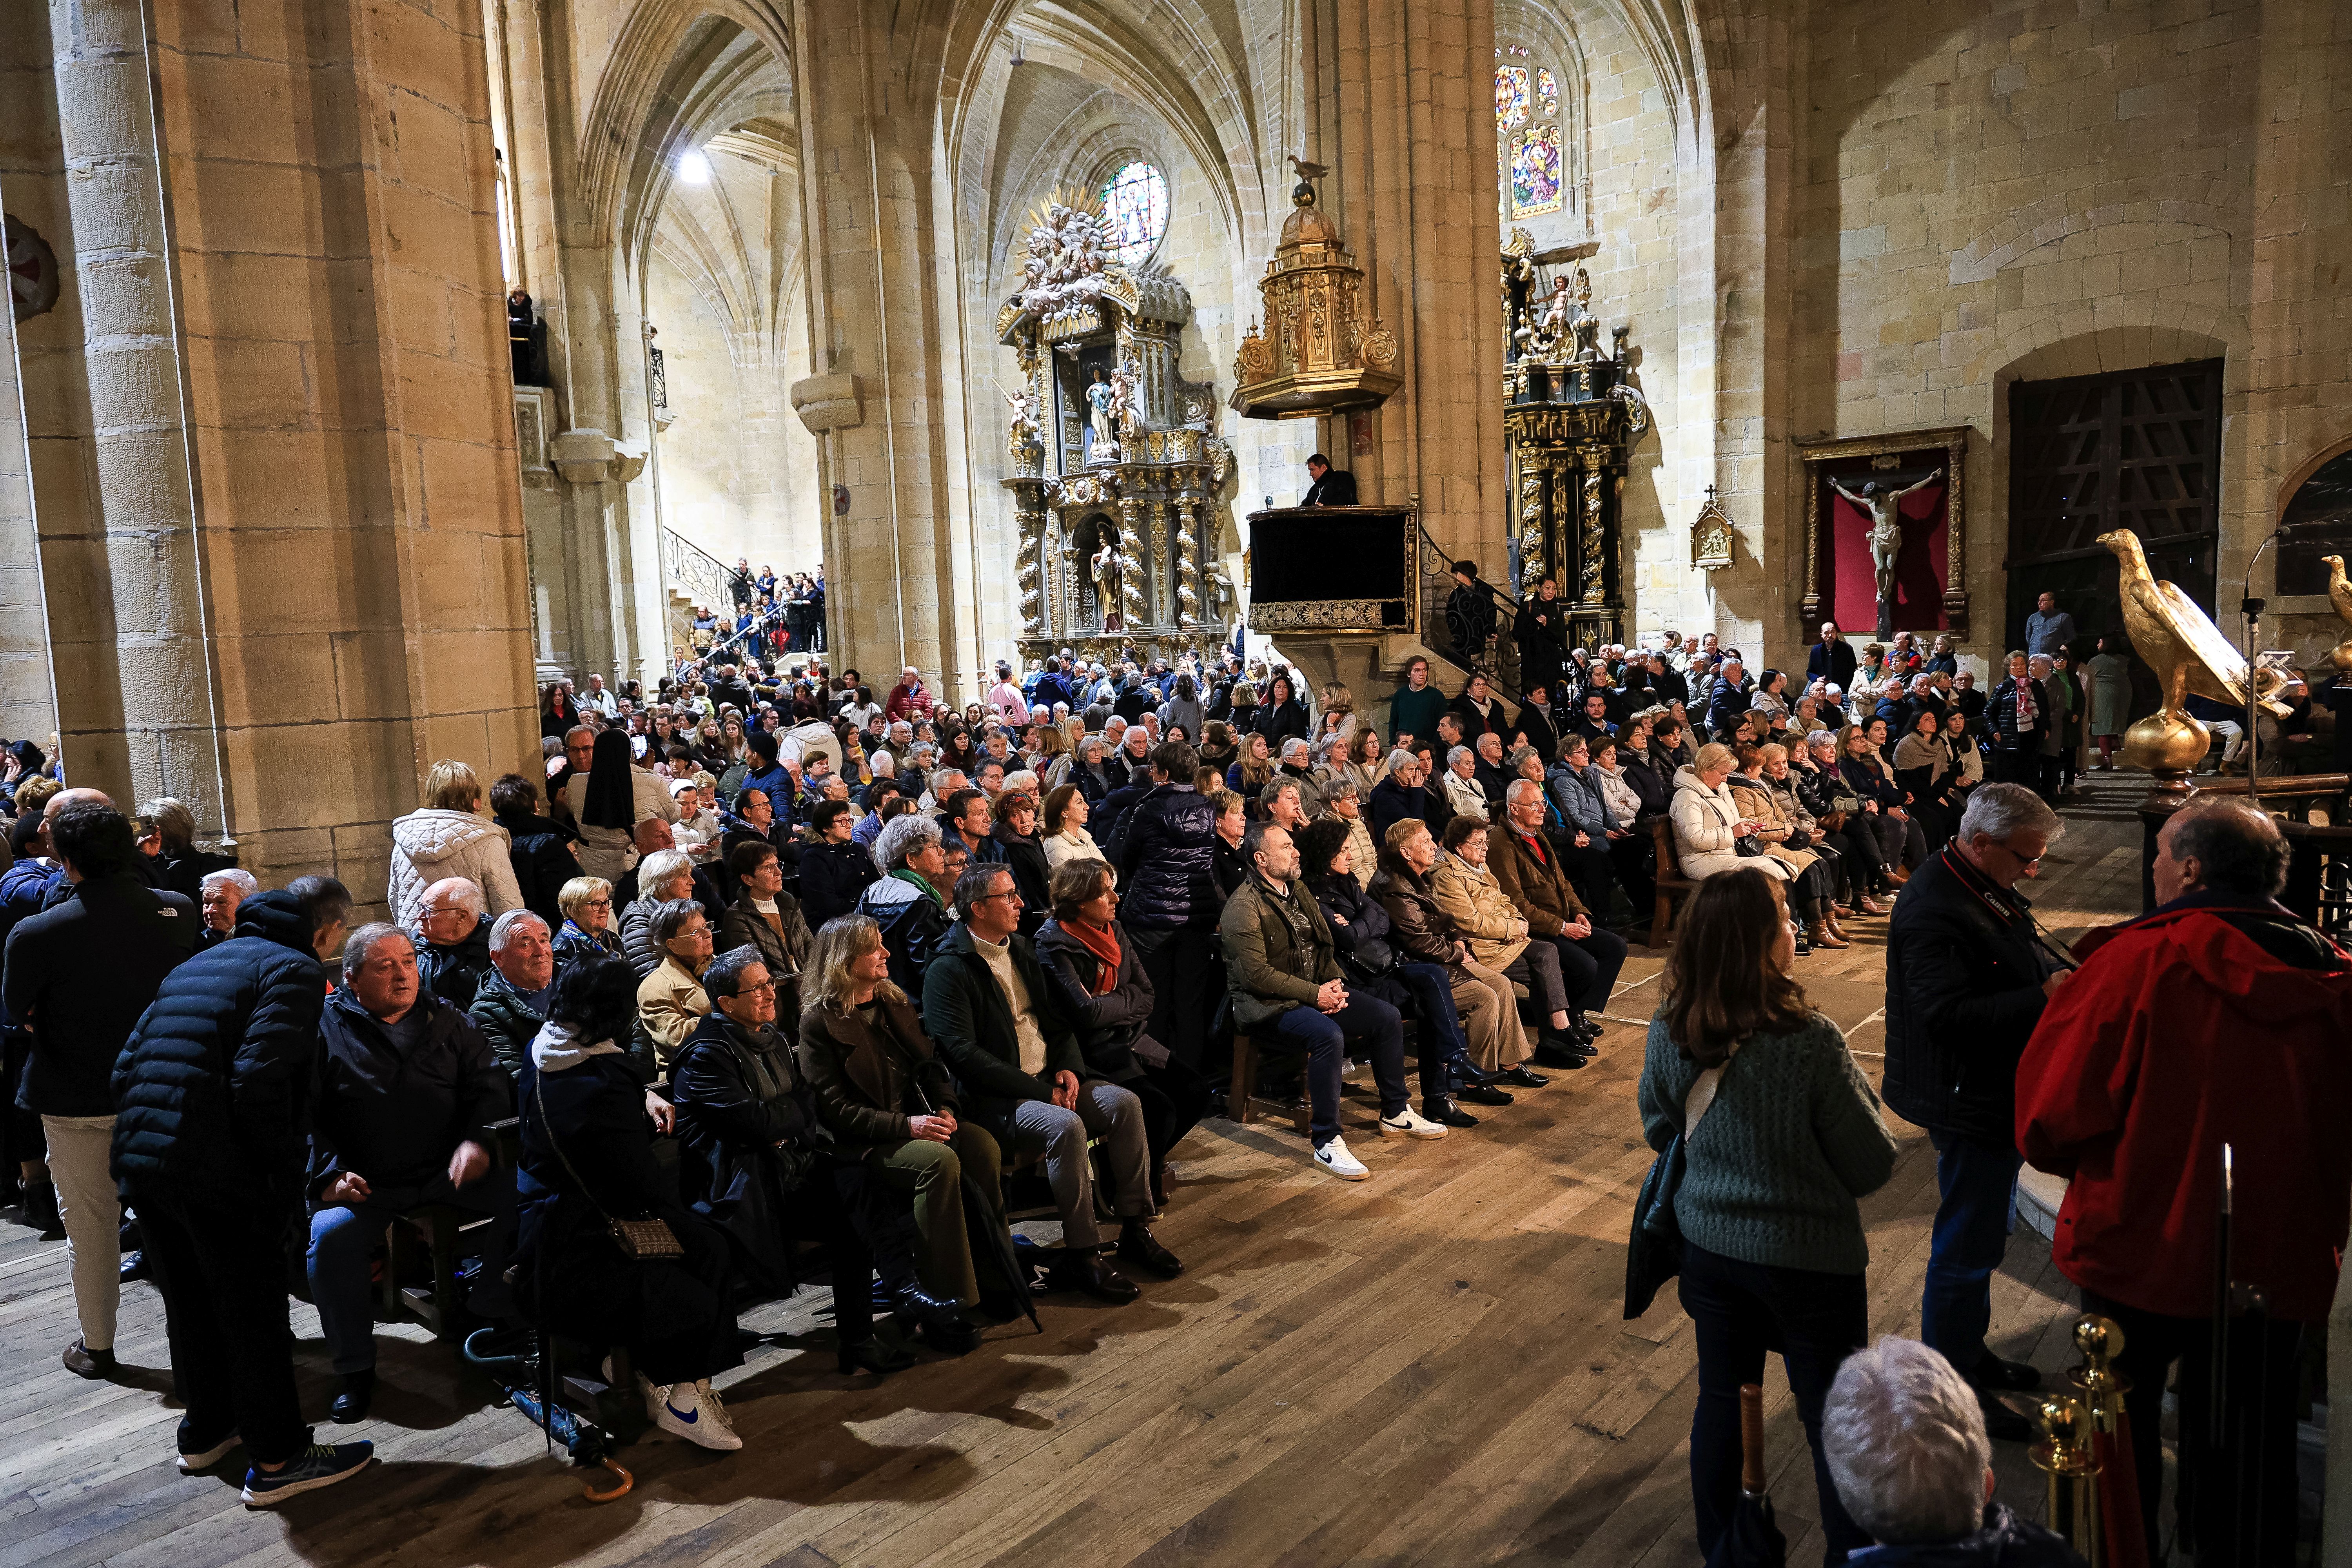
{"points": [[990, 1013], [1285, 983], [1414, 711]]}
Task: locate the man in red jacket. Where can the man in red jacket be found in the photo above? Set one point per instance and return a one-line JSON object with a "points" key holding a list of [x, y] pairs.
{"points": [[2219, 1018]]}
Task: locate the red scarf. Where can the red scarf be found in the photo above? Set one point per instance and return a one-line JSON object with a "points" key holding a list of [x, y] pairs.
{"points": [[1103, 942]]}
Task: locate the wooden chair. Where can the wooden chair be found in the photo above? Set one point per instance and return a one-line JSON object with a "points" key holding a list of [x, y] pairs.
{"points": [[438, 1304], [1673, 885], [1241, 1097]]}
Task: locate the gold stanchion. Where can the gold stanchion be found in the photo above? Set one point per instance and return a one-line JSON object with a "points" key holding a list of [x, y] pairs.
{"points": [[2101, 1387], [2068, 1456]]}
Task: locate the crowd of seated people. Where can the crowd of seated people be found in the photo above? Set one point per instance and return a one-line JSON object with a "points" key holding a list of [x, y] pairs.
{"points": [[859, 965]]}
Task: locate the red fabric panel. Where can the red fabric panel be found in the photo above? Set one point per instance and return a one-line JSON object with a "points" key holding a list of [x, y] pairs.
{"points": [[1852, 592]]}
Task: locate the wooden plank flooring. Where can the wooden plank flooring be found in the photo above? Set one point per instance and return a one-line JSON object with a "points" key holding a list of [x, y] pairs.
{"points": [[1429, 1367]]}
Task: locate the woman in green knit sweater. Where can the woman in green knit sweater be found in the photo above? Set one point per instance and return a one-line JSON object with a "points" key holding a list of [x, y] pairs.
{"points": [[1787, 1138]]}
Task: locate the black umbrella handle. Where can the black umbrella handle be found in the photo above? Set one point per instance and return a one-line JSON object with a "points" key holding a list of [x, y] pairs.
{"points": [[1751, 1439]]}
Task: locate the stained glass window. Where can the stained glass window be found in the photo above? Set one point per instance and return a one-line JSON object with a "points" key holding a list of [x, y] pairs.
{"points": [[1135, 207], [1547, 90], [1536, 171], [1511, 97]]}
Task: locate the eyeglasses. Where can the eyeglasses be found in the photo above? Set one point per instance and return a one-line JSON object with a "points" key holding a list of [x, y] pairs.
{"points": [[599, 904], [985, 897], [767, 985]]}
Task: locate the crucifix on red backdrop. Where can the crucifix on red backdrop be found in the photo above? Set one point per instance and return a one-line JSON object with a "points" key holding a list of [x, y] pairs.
{"points": [[1884, 505]]}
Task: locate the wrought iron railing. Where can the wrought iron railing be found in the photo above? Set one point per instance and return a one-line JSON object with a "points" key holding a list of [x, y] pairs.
{"points": [[696, 573], [1447, 632]]}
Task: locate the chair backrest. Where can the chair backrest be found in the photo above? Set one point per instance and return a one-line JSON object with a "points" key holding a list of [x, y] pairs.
{"points": [[1662, 833]]}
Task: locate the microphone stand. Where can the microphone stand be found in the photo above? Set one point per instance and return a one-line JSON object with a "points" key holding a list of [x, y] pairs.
{"points": [[2253, 612]]}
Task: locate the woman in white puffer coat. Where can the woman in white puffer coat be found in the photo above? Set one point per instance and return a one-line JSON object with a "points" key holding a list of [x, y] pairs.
{"points": [[1707, 823], [449, 836]]}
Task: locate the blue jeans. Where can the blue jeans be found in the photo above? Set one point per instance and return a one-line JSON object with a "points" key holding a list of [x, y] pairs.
{"points": [[1740, 1314], [343, 1236], [1441, 1040], [1978, 1184], [1365, 1020]]}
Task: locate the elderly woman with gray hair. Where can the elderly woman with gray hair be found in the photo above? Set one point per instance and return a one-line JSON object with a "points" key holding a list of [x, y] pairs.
{"points": [[914, 918], [217, 899], [1906, 1448]]}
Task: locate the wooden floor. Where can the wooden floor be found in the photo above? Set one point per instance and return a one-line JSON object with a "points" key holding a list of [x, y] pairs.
{"points": [[1429, 1367]]}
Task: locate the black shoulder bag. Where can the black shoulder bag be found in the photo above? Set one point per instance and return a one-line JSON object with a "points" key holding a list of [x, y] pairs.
{"points": [[647, 1240]]}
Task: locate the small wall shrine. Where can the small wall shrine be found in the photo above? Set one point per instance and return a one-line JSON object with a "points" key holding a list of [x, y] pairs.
{"points": [[1570, 417], [1114, 459]]}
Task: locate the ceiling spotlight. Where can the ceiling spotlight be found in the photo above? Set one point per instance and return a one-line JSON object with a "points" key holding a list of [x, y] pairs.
{"points": [[693, 168]]}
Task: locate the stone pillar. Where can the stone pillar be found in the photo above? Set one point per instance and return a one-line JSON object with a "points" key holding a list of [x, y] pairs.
{"points": [[273, 451], [28, 709], [885, 397], [1405, 122]]}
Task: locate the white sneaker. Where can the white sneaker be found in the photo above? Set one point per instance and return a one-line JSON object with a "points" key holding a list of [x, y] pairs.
{"points": [[1411, 1124], [1334, 1157], [691, 1411]]}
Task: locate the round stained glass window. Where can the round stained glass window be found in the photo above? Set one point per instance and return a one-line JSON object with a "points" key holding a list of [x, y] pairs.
{"points": [[1135, 210]]}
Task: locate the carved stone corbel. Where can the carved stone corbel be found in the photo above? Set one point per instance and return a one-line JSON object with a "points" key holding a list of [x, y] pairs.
{"points": [[829, 402]]}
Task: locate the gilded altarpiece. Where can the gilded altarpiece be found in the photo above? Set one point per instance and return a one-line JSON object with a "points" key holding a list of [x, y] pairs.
{"points": [[1570, 417], [1113, 458]]}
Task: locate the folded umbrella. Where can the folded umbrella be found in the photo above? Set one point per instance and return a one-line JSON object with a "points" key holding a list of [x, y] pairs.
{"points": [[1754, 1540]]}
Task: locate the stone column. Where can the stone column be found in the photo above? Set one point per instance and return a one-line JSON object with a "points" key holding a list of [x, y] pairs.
{"points": [[885, 397], [1405, 122], [273, 449], [29, 706]]}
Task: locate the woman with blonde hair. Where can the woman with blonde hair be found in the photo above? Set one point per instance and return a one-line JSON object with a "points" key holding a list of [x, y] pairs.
{"points": [[1780, 1138], [886, 1102], [449, 836], [671, 1002], [588, 930], [1813, 886], [1337, 700], [1707, 822]]}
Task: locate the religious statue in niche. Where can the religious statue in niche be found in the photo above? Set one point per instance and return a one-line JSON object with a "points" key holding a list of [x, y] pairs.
{"points": [[1884, 504], [1101, 437], [1104, 566]]}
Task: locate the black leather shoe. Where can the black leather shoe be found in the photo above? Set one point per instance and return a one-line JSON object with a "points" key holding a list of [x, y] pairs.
{"points": [[134, 1266], [352, 1404], [873, 1356], [1137, 1246], [1479, 1094], [1085, 1271], [959, 1338], [83, 1362], [2004, 1425], [1523, 1076], [2007, 1376], [916, 1305], [1441, 1109], [1461, 1070]]}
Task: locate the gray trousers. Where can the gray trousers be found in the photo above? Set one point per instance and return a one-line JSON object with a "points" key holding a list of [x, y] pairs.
{"points": [[1104, 1110]]}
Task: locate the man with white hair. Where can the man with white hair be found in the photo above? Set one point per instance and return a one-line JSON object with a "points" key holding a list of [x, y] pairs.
{"points": [[908, 700], [454, 950], [1904, 1446], [217, 897], [511, 1004], [405, 1101], [1967, 979]]}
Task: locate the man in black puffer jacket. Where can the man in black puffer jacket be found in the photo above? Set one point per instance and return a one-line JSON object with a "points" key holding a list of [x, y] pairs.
{"points": [[541, 847], [210, 1097], [1168, 901]]}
